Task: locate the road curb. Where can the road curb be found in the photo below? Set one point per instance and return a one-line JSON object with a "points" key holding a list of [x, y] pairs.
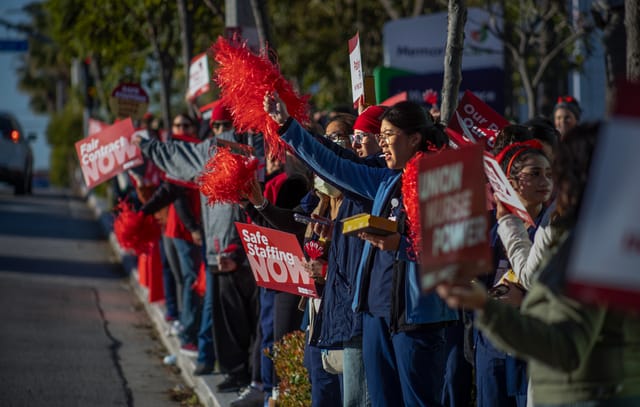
{"points": [[203, 386]]}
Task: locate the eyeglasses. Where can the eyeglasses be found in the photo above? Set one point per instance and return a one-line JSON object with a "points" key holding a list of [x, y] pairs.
{"points": [[385, 136], [338, 138], [182, 125], [216, 125], [358, 138]]}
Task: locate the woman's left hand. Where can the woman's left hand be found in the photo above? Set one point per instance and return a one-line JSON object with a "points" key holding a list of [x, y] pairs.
{"points": [[389, 242], [469, 296]]}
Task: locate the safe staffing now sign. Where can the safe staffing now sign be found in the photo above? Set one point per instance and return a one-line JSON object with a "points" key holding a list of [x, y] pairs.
{"points": [[107, 153], [276, 260]]}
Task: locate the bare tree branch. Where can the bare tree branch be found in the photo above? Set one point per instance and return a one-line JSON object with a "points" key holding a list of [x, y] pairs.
{"points": [[552, 54], [214, 8], [388, 7], [417, 7]]}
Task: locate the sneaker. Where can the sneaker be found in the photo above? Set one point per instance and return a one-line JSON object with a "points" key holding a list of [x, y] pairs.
{"points": [[232, 383], [170, 360], [176, 328], [249, 397], [189, 349], [202, 369]]}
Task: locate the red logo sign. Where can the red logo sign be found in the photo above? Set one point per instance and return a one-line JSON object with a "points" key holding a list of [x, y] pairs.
{"points": [[454, 218], [108, 153], [474, 121], [276, 260]]}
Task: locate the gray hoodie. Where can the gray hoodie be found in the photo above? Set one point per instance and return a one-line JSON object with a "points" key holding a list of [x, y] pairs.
{"points": [[185, 161]]}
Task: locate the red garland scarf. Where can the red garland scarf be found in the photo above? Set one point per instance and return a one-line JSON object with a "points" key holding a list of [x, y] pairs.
{"points": [[411, 203], [227, 176], [134, 230], [244, 78]]}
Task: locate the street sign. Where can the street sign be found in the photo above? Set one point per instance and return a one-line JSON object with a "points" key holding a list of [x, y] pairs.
{"points": [[13, 45]]}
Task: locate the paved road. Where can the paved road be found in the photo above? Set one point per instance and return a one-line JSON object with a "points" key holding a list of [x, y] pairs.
{"points": [[71, 330]]}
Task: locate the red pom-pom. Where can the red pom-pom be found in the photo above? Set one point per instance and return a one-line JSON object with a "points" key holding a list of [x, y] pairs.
{"points": [[244, 78], [134, 230], [430, 97], [227, 177], [313, 249], [411, 204]]}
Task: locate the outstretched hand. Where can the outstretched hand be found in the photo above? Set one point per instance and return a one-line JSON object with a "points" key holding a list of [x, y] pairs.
{"points": [[275, 107]]}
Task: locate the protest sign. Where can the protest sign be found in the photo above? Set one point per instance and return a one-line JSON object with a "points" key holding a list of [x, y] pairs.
{"points": [[199, 79], [129, 100], [108, 153], [95, 126], [276, 260], [355, 62], [605, 260], [503, 189], [474, 121], [453, 216]]}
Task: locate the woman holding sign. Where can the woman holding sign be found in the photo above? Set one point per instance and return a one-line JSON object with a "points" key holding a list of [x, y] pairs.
{"points": [[403, 331], [577, 354]]}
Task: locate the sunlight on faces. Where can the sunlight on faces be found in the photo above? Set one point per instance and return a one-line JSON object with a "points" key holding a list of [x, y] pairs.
{"points": [[397, 147], [534, 183], [365, 144], [339, 134]]}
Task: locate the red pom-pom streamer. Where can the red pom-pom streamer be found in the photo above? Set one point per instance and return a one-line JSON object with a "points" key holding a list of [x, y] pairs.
{"points": [[411, 204], [227, 177], [134, 230], [430, 97], [244, 78], [313, 249]]}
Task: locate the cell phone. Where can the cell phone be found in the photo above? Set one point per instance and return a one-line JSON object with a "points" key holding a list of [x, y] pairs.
{"points": [[307, 219]]}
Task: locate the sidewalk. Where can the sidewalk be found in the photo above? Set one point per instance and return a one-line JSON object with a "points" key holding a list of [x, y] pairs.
{"points": [[204, 386]]}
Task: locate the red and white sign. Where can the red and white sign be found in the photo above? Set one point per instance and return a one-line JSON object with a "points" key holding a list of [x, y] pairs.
{"points": [[474, 121], [355, 62], [501, 186], [199, 79], [95, 126], [108, 153], [604, 266], [276, 260], [129, 100], [454, 218]]}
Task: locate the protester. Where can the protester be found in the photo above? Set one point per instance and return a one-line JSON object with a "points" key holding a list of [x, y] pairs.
{"points": [[578, 354], [500, 378], [404, 352], [566, 114]]}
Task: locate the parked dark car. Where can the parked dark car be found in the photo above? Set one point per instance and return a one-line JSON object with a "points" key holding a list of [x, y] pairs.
{"points": [[16, 156]]}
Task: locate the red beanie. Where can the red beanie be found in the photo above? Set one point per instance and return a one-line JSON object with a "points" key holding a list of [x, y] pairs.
{"points": [[220, 114], [369, 121]]}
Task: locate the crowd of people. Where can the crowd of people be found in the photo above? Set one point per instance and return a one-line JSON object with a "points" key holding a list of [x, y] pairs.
{"points": [[507, 338]]}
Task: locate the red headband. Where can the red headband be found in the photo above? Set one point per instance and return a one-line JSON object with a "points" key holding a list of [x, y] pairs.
{"points": [[522, 147]]}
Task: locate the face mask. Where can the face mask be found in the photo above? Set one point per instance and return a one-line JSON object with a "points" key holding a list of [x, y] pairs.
{"points": [[325, 188]]}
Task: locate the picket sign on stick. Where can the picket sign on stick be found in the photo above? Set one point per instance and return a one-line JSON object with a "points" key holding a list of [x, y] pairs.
{"points": [[108, 153], [276, 260], [454, 219], [504, 191], [605, 259], [357, 79], [199, 80]]}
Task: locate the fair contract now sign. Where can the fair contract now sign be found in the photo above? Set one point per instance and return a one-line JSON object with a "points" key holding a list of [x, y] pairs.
{"points": [[108, 153]]}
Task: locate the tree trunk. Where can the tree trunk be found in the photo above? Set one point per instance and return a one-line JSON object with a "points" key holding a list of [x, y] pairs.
{"points": [[262, 24], [186, 37], [632, 25], [453, 58]]}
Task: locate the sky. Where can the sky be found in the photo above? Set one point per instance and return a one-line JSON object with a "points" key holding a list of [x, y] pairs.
{"points": [[11, 99]]}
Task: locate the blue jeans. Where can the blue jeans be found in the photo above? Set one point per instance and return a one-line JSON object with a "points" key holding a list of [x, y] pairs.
{"points": [[457, 379], [189, 258], [493, 373], [206, 354], [354, 381], [325, 386], [405, 368], [170, 296]]}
